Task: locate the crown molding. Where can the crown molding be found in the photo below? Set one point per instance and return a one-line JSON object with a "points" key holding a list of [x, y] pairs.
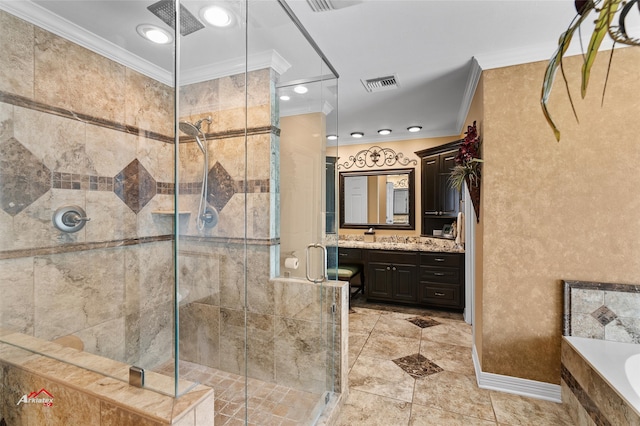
{"points": [[41, 17], [37, 15], [261, 60], [469, 91], [541, 52]]}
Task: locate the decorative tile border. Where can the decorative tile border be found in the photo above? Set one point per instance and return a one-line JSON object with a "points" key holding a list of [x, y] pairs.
{"points": [[76, 247], [583, 397], [603, 311]]}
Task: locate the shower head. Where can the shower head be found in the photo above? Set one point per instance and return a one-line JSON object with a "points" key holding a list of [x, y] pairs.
{"points": [[193, 129], [190, 129]]}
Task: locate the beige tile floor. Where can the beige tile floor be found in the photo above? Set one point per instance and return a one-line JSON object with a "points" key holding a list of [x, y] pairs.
{"points": [[382, 393], [268, 404]]}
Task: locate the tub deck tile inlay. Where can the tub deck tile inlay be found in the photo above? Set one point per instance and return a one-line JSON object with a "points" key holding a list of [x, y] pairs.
{"points": [[604, 315]]}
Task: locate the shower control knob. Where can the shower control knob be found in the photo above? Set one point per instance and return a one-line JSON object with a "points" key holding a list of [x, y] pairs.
{"points": [[70, 218]]}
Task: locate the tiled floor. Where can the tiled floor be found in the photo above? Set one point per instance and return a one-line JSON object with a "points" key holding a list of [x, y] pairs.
{"points": [[269, 404], [408, 367], [415, 368]]}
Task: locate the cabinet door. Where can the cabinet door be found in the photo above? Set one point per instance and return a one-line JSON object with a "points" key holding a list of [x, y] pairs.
{"points": [[379, 281], [404, 283], [448, 196], [430, 166]]}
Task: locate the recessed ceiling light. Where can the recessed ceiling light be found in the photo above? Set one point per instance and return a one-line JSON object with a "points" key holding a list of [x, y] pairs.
{"points": [[300, 89], [285, 98], [216, 16], [357, 134], [414, 128], [332, 137], [384, 131], [154, 34]]}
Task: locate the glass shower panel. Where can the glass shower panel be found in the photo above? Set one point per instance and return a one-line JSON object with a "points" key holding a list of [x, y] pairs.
{"points": [[290, 340], [87, 119], [212, 196]]}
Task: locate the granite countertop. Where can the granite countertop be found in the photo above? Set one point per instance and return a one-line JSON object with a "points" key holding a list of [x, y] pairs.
{"points": [[401, 243]]}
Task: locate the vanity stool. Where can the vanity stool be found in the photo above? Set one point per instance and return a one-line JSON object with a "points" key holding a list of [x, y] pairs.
{"points": [[348, 272]]}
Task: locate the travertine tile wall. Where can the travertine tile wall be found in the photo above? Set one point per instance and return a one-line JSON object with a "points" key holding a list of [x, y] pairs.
{"points": [[77, 128], [603, 311], [114, 287]]}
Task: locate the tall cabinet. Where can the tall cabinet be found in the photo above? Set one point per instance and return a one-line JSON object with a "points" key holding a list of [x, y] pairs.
{"points": [[440, 202]]}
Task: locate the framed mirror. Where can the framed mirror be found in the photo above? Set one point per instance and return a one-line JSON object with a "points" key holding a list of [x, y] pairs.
{"points": [[382, 199]]}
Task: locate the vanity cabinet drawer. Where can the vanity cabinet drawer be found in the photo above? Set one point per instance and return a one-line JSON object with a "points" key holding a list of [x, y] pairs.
{"points": [[441, 259], [440, 294], [440, 275], [349, 254], [393, 257]]}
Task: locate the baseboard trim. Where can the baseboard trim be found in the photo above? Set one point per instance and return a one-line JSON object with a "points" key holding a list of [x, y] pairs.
{"points": [[515, 385]]}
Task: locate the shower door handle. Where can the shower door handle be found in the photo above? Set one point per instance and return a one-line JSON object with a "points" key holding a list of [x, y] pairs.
{"points": [[323, 275]]}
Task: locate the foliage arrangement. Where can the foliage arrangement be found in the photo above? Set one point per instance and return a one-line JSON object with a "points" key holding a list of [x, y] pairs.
{"points": [[467, 161], [611, 20]]}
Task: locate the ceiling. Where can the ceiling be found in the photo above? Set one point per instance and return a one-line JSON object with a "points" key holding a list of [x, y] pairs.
{"points": [[435, 49]]}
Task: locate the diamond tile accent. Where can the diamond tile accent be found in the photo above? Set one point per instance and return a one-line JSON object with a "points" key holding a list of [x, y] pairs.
{"points": [[221, 187], [423, 322], [135, 186], [604, 315], [23, 178], [417, 366]]}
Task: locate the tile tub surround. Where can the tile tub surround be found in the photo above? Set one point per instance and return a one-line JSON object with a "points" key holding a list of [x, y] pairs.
{"points": [[600, 311], [603, 311], [588, 395], [81, 396]]}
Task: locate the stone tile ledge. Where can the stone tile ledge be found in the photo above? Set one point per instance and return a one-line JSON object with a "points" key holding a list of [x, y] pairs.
{"points": [[79, 370], [402, 243]]}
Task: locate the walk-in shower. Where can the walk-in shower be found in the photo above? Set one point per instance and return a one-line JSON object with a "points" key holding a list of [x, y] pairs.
{"points": [[123, 135], [207, 216]]}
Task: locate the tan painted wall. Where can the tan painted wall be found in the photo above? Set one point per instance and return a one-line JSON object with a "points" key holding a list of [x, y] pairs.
{"points": [[302, 168], [553, 211], [407, 148]]}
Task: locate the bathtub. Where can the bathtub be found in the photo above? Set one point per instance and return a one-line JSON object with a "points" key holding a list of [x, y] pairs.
{"points": [[617, 363]]}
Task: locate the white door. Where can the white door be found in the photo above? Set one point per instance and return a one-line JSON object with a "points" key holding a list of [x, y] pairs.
{"points": [[355, 199]]}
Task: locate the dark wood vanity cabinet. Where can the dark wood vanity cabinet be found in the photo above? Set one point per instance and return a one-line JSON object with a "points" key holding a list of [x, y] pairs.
{"points": [[438, 198], [391, 275], [440, 202], [428, 279], [441, 280]]}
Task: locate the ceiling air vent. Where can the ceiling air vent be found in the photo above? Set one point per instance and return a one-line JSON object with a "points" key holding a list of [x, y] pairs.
{"points": [[327, 5], [380, 83]]}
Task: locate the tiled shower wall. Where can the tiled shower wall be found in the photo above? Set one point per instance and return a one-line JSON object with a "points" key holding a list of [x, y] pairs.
{"points": [[77, 128]]}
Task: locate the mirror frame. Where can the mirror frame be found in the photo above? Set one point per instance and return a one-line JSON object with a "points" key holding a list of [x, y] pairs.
{"points": [[412, 199]]}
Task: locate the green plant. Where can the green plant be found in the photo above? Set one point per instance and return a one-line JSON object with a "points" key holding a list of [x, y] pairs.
{"points": [[605, 23], [469, 171]]}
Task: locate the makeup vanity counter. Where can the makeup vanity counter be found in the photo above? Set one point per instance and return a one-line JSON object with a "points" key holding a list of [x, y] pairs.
{"points": [[428, 272]]}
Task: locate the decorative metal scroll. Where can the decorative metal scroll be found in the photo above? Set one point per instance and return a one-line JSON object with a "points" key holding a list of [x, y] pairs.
{"points": [[402, 183], [376, 157]]}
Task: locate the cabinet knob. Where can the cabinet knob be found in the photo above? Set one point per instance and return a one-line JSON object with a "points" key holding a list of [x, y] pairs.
{"points": [[438, 259], [394, 268], [439, 274], [388, 268], [439, 294]]}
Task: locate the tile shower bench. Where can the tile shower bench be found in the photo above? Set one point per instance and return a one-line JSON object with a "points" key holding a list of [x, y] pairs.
{"points": [[408, 273]]}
